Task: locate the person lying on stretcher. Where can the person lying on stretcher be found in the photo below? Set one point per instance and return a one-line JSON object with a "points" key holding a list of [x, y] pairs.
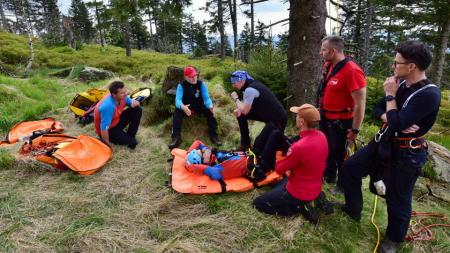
{"points": [[216, 164]]}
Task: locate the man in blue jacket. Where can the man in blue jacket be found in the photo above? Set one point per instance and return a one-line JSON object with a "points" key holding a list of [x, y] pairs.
{"points": [[192, 96]]}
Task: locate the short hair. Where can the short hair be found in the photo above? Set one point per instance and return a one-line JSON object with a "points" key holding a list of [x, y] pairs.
{"points": [[415, 52], [335, 42], [114, 86], [312, 124]]}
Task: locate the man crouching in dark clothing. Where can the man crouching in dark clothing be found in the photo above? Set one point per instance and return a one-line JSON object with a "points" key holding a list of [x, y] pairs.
{"points": [[408, 112], [304, 166]]}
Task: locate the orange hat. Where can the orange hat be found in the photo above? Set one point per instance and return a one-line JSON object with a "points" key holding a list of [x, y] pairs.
{"points": [[306, 111], [190, 71]]}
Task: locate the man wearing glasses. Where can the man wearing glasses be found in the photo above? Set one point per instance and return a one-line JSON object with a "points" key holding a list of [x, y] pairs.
{"points": [[398, 152]]}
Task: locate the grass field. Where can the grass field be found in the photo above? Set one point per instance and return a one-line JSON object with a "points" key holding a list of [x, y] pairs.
{"points": [[126, 207]]}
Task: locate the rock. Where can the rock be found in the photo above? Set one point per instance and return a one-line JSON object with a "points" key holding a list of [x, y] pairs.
{"points": [[63, 73], [90, 74], [174, 75], [129, 78], [440, 158]]}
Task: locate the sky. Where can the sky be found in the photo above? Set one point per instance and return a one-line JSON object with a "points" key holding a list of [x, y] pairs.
{"points": [[267, 12]]}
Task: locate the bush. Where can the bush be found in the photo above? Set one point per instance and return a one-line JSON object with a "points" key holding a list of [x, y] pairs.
{"points": [[159, 108], [375, 92], [268, 65]]}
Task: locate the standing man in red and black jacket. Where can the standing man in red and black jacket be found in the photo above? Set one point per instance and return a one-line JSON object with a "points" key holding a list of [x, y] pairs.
{"points": [[342, 100]]}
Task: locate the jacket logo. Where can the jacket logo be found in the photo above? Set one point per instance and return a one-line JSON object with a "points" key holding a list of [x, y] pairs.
{"points": [[334, 82], [197, 94]]}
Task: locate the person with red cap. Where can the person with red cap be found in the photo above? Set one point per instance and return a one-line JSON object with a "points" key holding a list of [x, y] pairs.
{"points": [[192, 96], [303, 167]]}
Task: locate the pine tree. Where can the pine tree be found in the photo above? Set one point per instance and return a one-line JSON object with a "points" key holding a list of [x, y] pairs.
{"points": [[82, 25], [245, 43], [261, 34]]}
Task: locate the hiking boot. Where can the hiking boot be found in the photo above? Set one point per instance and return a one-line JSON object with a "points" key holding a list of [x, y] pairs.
{"points": [[132, 144], [388, 246], [324, 204], [311, 213], [176, 141], [355, 217], [258, 174], [216, 141]]}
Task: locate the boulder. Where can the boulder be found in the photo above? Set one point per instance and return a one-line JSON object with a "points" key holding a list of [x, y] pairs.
{"points": [[90, 74], [440, 158], [63, 73], [174, 75]]}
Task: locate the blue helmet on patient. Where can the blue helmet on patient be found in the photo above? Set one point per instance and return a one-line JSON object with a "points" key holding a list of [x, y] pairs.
{"points": [[193, 158]]}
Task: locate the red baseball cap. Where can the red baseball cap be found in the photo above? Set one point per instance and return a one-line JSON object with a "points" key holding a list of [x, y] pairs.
{"points": [[190, 71]]}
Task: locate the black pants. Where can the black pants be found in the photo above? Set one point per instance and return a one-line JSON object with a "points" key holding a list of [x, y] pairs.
{"points": [[336, 133], [131, 117], [179, 114], [243, 126], [269, 141], [279, 201], [399, 180]]}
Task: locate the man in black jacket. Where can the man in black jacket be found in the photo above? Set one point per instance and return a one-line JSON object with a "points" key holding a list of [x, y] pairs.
{"points": [[408, 111], [259, 103]]}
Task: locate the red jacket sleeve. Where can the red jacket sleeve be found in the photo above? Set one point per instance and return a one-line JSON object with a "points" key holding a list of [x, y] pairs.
{"points": [[356, 80], [291, 161]]}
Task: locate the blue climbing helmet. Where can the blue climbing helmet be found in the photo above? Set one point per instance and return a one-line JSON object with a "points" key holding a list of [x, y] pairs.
{"points": [[193, 158], [240, 75]]}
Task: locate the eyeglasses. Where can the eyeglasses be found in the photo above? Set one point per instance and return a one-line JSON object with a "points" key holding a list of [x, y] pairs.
{"points": [[395, 63]]}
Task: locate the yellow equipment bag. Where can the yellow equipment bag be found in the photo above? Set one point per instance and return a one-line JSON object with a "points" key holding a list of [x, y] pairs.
{"points": [[83, 101]]}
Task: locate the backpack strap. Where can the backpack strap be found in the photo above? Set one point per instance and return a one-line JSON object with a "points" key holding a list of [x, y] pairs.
{"points": [[417, 91], [327, 76]]}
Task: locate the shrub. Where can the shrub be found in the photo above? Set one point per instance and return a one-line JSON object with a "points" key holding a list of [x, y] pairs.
{"points": [[159, 108]]}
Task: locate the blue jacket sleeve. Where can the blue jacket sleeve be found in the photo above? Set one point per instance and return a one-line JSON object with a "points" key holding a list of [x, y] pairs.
{"points": [[128, 101], [206, 98], [419, 107], [179, 97], [106, 114]]}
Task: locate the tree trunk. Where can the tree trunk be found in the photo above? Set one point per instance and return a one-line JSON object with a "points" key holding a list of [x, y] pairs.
{"points": [[232, 6], [100, 30], [126, 35], [306, 29], [30, 39], [4, 24], [440, 52], [389, 33], [357, 30], [221, 30], [252, 25], [367, 35], [150, 27]]}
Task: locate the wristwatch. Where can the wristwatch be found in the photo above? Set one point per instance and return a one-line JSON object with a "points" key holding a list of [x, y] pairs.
{"points": [[355, 131], [389, 98]]}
